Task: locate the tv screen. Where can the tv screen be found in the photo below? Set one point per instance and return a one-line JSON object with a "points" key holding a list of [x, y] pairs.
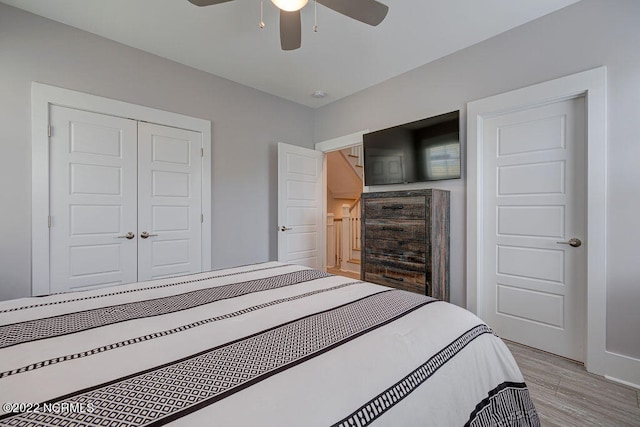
{"points": [[425, 150]]}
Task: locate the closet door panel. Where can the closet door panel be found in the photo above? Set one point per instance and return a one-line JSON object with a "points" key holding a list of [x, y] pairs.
{"points": [[93, 200], [169, 201]]}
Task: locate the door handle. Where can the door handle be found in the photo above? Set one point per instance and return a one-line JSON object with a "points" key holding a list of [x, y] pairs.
{"points": [[572, 242], [129, 236], [283, 228], [144, 235]]}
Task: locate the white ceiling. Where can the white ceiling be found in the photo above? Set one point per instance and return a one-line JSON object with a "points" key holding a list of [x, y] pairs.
{"points": [[343, 57]]}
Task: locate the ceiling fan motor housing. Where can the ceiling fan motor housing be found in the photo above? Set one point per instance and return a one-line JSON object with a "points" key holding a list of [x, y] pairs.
{"points": [[370, 12]]}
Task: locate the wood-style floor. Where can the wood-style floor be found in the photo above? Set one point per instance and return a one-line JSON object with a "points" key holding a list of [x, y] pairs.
{"points": [[339, 272], [565, 394]]}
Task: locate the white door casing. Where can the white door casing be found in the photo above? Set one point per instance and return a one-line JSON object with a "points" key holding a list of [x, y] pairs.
{"points": [[300, 206], [93, 201], [535, 199], [169, 201], [592, 85], [327, 146], [43, 99]]}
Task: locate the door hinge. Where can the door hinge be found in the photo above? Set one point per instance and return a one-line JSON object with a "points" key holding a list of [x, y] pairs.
{"points": [[49, 221], [201, 152], [202, 218], [49, 130]]}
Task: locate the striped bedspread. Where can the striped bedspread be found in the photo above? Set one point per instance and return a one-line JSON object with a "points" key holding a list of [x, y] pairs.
{"points": [[261, 345]]}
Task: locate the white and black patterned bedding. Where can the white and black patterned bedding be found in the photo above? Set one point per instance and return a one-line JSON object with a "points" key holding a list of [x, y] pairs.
{"points": [[267, 344]]}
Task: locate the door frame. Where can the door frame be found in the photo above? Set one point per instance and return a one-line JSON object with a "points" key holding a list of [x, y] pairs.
{"points": [[592, 86], [325, 147], [42, 97]]}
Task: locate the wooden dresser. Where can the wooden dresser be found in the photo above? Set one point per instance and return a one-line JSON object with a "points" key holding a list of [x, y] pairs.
{"points": [[405, 240]]}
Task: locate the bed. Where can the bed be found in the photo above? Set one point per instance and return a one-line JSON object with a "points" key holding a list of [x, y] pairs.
{"points": [[268, 344]]}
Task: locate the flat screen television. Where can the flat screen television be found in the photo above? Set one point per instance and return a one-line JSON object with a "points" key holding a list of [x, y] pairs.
{"points": [[420, 151]]}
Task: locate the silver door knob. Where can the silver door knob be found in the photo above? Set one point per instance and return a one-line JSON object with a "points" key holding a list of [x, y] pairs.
{"points": [[572, 242], [283, 228], [129, 236], [145, 234]]}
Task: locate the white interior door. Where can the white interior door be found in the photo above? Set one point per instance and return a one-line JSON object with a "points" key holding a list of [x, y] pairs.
{"points": [[93, 200], [534, 201], [169, 201], [300, 206]]}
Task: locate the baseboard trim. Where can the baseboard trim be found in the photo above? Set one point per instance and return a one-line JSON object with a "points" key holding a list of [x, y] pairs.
{"points": [[622, 369], [347, 270]]}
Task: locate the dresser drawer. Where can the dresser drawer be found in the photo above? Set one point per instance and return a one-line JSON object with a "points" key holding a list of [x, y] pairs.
{"points": [[395, 207], [397, 229], [410, 255], [396, 278], [396, 262]]}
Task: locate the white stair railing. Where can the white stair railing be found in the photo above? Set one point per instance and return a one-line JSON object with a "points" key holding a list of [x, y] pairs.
{"points": [[355, 229], [357, 153], [355, 157], [351, 234], [339, 257], [346, 236], [331, 241]]}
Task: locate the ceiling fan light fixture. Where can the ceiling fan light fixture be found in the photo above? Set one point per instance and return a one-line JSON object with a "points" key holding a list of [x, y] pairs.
{"points": [[290, 5]]}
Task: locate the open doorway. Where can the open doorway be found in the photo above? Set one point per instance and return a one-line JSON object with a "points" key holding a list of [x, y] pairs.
{"points": [[345, 182]]}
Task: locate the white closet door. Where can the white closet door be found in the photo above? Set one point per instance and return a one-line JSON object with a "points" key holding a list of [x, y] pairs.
{"points": [[169, 201], [93, 200]]}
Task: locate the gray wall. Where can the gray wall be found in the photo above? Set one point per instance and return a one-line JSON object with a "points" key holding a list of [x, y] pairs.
{"points": [[585, 35], [246, 125]]}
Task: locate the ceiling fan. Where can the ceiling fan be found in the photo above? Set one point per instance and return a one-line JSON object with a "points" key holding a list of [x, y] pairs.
{"points": [[370, 12]]}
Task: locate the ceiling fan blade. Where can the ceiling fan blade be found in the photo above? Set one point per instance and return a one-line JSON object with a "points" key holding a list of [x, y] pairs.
{"points": [[207, 2], [370, 12], [290, 30]]}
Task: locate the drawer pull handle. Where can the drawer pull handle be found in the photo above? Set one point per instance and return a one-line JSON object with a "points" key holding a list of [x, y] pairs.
{"points": [[397, 279], [394, 207], [392, 229]]}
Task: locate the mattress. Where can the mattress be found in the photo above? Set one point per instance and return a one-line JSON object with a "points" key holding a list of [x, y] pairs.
{"points": [[268, 344]]}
